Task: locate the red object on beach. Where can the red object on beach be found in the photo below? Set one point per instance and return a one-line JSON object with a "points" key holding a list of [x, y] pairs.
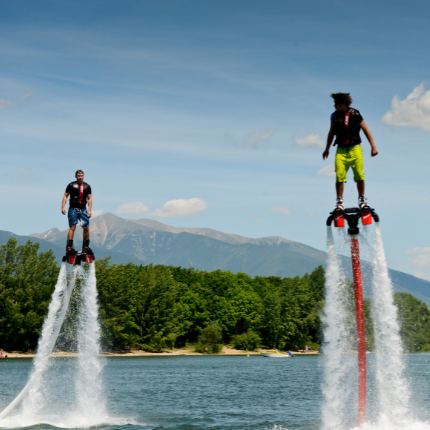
{"points": [[339, 220], [361, 337]]}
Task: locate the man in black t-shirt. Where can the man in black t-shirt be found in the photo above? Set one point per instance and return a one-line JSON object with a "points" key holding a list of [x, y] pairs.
{"points": [[80, 193]]}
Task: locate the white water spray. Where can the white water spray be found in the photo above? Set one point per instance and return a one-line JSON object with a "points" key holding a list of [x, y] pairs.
{"points": [[35, 399], [338, 365], [391, 408], [47, 338], [89, 383], [81, 405], [393, 394]]}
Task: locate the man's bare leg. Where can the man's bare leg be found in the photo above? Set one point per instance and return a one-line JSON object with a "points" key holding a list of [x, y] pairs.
{"points": [[86, 242], [71, 233], [339, 189], [360, 187]]}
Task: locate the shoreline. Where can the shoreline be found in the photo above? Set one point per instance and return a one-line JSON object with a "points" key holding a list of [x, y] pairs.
{"points": [[173, 353]]}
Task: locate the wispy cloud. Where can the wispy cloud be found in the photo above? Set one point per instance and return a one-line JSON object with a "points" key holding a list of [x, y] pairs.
{"points": [[327, 171], [5, 103], [422, 276], [422, 256], [419, 250], [181, 208], [310, 141], [97, 212], [23, 169], [414, 111], [253, 140], [132, 208], [285, 210]]}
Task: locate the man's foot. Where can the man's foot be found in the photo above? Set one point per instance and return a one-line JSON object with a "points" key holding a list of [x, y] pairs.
{"points": [[362, 203], [69, 248], [339, 205], [86, 247]]}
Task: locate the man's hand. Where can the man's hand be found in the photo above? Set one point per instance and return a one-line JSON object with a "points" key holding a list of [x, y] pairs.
{"points": [[325, 154], [89, 213], [374, 151], [63, 211]]}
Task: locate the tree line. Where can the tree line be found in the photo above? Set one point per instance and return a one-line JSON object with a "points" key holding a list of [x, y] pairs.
{"points": [[159, 307]]}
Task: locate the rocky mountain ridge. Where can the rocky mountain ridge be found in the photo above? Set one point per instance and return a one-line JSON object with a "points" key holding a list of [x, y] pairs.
{"points": [[147, 241]]}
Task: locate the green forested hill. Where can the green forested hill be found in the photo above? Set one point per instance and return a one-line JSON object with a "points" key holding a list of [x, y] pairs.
{"points": [[154, 307]]}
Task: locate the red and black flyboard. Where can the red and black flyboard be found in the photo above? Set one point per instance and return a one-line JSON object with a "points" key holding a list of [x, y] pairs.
{"points": [[77, 258], [353, 216]]}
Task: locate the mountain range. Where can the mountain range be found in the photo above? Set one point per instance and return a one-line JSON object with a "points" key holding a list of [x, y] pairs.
{"points": [[147, 241]]}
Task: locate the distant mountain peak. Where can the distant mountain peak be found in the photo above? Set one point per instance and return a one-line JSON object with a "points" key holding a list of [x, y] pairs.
{"points": [[46, 234], [148, 241]]}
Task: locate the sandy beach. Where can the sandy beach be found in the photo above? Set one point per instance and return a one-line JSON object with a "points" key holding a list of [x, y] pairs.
{"points": [[133, 352]]}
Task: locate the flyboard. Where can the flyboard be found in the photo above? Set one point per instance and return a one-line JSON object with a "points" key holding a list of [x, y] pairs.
{"points": [[75, 259], [353, 217]]}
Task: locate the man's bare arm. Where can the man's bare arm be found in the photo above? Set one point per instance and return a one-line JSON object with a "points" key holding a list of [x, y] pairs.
{"points": [[330, 138], [90, 205], [63, 205], [369, 138]]}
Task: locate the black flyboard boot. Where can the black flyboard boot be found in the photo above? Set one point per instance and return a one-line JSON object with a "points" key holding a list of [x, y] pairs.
{"points": [[86, 247], [69, 248]]}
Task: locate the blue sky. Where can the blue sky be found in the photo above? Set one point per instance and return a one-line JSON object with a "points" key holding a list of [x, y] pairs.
{"points": [[212, 114]]}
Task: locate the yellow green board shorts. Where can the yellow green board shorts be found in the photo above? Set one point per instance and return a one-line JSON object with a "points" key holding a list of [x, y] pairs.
{"points": [[346, 158]]}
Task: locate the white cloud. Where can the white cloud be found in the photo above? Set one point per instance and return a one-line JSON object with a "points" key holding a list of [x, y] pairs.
{"points": [[327, 171], [422, 276], [257, 138], [311, 141], [135, 208], [422, 258], [253, 140], [282, 210], [180, 208], [5, 103], [97, 212], [419, 250], [414, 111], [23, 169]]}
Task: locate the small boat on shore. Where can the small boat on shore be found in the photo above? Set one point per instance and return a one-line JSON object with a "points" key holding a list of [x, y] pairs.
{"points": [[275, 353]]}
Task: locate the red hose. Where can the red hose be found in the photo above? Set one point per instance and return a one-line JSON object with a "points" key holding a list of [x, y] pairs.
{"points": [[361, 337]]}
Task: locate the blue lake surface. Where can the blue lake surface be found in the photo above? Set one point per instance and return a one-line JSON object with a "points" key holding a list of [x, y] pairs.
{"points": [[210, 392]]}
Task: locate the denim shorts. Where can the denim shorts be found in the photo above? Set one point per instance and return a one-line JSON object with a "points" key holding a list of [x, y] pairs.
{"points": [[76, 215]]}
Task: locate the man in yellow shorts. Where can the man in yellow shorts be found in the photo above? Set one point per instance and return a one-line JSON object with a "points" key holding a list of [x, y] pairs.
{"points": [[346, 124]]}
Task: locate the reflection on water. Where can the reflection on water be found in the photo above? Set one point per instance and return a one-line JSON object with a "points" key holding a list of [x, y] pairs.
{"points": [[191, 393]]}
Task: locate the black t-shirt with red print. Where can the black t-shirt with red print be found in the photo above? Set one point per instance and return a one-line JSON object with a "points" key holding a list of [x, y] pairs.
{"points": [[78, 194]]}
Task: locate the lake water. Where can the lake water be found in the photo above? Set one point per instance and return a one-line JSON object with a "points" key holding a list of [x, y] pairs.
{"points": [[200, 392]]}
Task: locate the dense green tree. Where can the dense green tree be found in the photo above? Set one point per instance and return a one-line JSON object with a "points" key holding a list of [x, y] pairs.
{"points": [[27, 281], [414, 317], [248, 341], [158, 307], [210, 338]]}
